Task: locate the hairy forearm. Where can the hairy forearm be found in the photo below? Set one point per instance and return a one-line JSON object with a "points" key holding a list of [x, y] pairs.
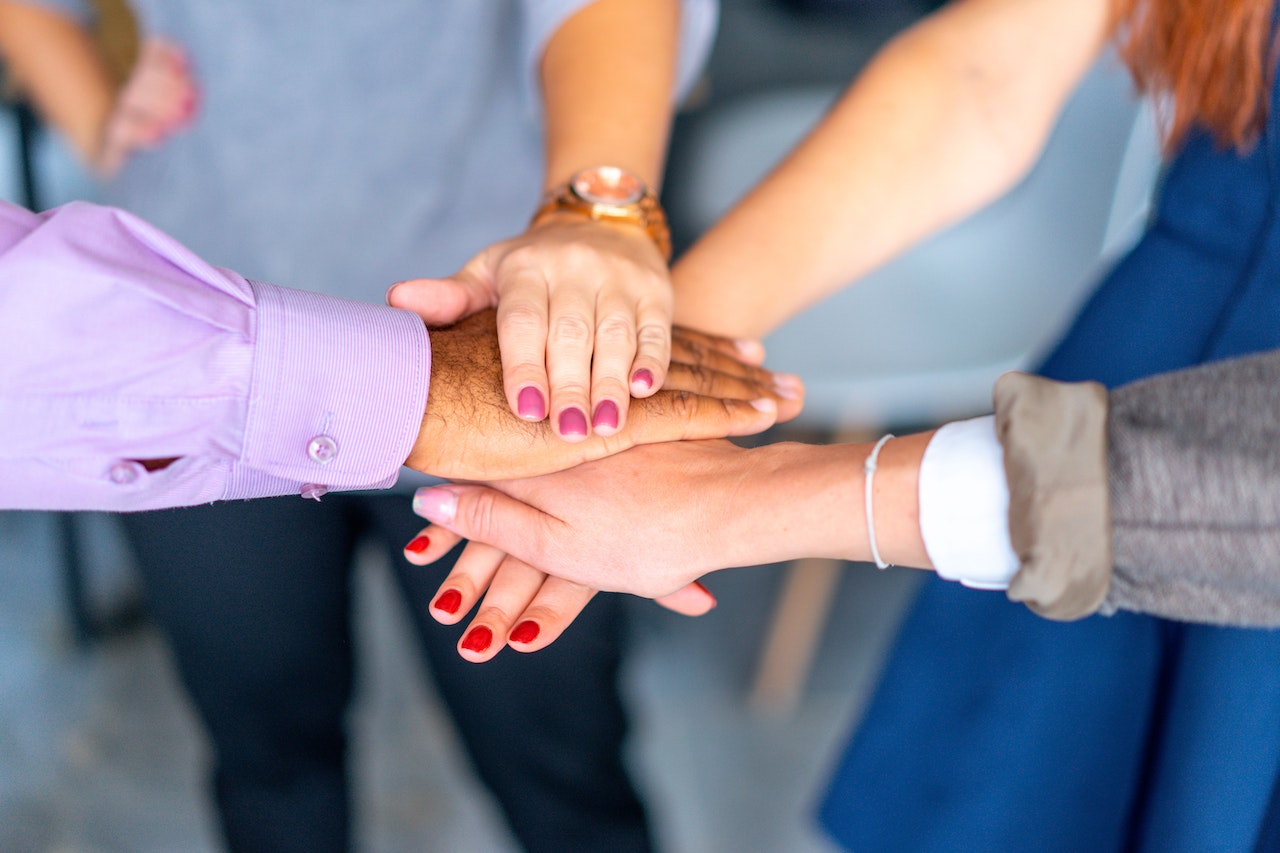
{"points": [[607, 79], [947, 117], [60, 71]]}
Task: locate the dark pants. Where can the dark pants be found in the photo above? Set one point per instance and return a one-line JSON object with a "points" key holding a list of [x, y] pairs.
{"points": [[256, 600]]}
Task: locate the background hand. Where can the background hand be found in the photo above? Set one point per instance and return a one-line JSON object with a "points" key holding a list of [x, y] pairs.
{"points": [[157, 100], [469, 433], [584, 319]]}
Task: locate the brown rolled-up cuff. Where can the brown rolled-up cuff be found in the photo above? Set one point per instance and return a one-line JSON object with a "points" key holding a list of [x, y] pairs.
{"points": [[1054, 437]]}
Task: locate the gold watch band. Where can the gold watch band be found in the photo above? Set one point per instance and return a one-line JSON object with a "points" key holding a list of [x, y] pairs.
{"points": [[644, 211]]}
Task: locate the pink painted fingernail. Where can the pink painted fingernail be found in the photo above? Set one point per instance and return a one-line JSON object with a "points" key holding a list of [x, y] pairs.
{"points": [[448, 602], [436, 504], [478, 639], [642, 379], [526, 632], [530, 404], [418, 545], [573, 422], [606, 415]]}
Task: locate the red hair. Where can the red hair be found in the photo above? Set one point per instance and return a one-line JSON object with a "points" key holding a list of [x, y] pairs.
{"points": [[1207, 62]]}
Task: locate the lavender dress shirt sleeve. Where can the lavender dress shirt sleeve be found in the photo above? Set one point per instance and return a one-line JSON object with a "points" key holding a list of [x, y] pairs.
{"points": [[119, 345]]}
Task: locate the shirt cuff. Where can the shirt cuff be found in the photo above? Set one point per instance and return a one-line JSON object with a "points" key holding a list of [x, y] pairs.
{"points": [[337, 396], [964, 506]]}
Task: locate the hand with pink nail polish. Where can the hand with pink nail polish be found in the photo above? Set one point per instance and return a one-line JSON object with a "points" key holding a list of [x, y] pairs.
{"points": [[584, 318], [469, 433]]}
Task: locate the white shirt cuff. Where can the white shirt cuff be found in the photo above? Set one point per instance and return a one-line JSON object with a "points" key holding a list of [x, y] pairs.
{"points": [[964, 506]]}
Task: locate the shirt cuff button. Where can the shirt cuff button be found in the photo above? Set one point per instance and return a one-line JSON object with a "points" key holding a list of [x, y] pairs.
{"points": [[322, 449], [314, 491], [124, 473]]}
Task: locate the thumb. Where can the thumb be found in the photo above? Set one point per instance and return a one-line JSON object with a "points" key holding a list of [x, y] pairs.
{"points": [[483, 515], [691, 600], [443, 301]]}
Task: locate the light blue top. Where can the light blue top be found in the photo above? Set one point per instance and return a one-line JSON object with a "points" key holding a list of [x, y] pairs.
{"points": [[342, 146]]}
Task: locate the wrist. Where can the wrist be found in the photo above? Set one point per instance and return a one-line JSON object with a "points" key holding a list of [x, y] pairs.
{"points": [[612, 195], [810, 497]]}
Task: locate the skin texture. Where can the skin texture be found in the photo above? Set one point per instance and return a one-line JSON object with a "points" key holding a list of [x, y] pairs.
{"points": [[469, 433], [614, 524], [947, 117], [546, 327]]}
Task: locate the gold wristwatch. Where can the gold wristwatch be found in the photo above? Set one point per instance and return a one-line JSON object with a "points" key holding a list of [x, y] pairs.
{"points": [[611, 194]]}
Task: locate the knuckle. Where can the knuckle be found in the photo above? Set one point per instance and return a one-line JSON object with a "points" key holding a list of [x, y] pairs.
{"points": [[522, 318], [478, 513], [571, 329], [617, 328]]}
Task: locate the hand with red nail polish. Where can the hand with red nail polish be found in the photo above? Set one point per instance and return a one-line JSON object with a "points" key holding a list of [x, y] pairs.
{"points": [[468, 431], [527, 606], [715, 504]]}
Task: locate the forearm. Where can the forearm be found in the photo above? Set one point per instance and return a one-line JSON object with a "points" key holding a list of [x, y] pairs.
{"points": [[608, 76], [801, 500], [947, 117], [59, 69]]}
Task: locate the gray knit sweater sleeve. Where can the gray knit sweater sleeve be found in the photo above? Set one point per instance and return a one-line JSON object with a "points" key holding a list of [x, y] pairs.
{"points": [[1195, 493], [1186, 467]]}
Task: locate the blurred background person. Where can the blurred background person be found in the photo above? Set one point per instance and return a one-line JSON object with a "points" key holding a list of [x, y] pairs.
{"points": [[339, 148]]}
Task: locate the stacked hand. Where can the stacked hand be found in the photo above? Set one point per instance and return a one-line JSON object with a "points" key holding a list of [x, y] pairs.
{"points": [[468, 432], [584, 319]]}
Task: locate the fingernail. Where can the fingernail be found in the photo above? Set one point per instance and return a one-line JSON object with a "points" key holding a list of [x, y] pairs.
{"points": [[448, 602], [478, 639], [606, 415], [436, 504], [762, 405], [749, 347], [573, 422], [787, 390], [642, 380], [531, 404], [526, 632], [418, 545]]}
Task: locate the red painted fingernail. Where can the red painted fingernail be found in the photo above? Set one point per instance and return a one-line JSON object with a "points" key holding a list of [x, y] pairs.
{"points": [[644, 378], [526, 632], [478, 639], [606, 415], [530, 404], [418, 545], [449, 601]]}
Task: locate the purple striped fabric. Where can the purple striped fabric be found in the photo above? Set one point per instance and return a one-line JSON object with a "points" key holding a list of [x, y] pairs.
{"points": [[118, 344]]}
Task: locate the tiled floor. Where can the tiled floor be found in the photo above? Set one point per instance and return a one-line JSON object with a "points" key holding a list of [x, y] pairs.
{"points": [[98, 750]]}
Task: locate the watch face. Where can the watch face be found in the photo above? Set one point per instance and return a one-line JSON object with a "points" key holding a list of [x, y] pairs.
{"points": [[608, 185]]}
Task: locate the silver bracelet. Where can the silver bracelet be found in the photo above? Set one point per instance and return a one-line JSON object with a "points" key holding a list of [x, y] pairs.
{"points": [[869, 467]]}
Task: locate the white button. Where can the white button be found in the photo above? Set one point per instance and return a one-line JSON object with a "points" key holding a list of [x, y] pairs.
{"points": [[124, 473], [314, 491], [322, 449]]}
